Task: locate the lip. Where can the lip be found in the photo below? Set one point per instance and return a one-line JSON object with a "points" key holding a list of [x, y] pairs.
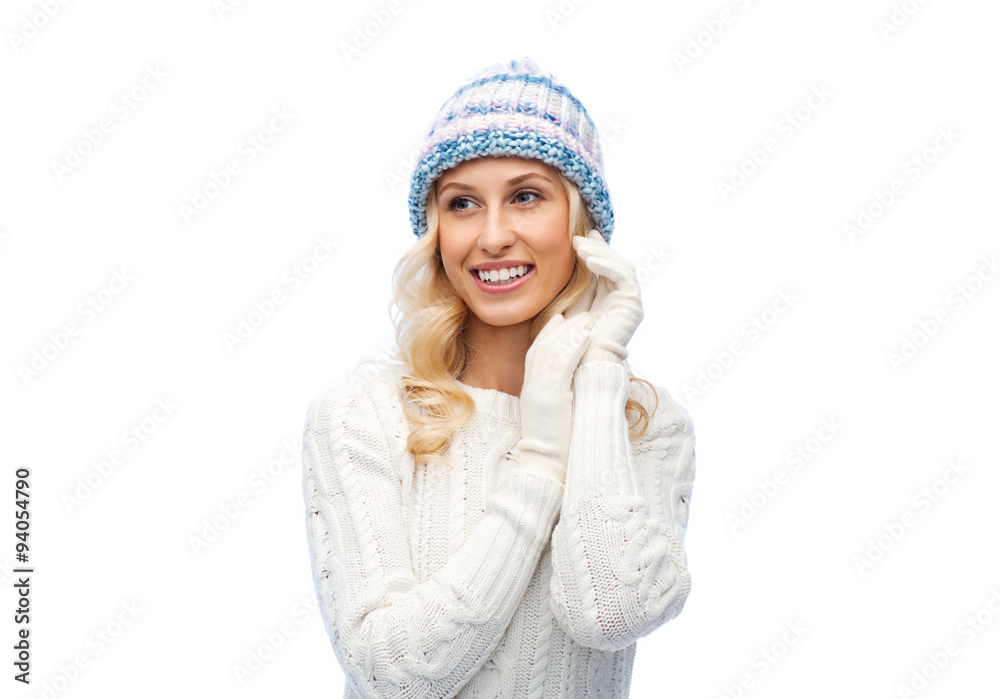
{"points": [[501, 264], [522, 280]]}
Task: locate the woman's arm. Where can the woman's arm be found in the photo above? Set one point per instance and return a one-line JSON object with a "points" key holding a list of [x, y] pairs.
{"points": [[619, 569], [393, 636]]}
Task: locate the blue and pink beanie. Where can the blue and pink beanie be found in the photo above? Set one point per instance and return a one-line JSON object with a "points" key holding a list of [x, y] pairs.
{"points": [[514, 109]]}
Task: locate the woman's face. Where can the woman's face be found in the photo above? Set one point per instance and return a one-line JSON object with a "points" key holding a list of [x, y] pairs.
{"points": [[500, 213]]}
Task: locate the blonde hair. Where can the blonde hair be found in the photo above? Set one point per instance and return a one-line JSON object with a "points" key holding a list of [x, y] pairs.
{"points": [[431, 345]]}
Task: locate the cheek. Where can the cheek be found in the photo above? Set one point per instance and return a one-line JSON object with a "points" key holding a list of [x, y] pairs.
{"points": [[559, 250], [558, 246], [451, 260]]}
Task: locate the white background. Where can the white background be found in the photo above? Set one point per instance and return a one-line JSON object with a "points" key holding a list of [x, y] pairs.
{"points": [[710, 264]]}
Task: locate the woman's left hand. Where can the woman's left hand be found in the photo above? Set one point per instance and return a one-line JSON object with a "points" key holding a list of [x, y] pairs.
{"points": [[617, 308]]}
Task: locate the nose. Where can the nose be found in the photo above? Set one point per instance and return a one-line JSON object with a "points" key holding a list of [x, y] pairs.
{"points": [[497, 231]]}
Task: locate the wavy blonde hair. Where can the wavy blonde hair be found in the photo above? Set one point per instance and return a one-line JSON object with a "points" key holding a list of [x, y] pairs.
{"points": [[431, 345]]}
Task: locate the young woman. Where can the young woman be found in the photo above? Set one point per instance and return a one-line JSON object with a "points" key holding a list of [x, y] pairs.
{"points": [[501, 516]]}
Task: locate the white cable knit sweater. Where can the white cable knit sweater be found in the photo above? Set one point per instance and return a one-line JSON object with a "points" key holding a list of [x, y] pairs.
{"points": [[488, 579]]}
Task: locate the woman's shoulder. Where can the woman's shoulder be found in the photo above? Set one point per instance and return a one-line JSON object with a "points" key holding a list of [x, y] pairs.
{"points": [[665, 412], [371, 394]]}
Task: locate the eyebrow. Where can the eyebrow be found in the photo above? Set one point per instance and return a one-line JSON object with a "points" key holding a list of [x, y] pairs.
{"points": [[511, 182]]}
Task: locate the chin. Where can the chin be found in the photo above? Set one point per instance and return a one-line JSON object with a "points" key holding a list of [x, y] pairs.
{"points": [[501, 320]]}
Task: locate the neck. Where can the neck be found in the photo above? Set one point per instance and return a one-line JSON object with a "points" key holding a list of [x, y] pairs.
{"points": [[496, 355]]}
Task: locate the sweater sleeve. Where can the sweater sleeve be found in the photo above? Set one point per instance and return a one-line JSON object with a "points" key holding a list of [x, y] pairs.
{"points": [[393, 636], [619, 569]]}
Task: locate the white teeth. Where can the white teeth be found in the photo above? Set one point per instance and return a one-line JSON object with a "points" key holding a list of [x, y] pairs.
{"points": [[502, 275]]}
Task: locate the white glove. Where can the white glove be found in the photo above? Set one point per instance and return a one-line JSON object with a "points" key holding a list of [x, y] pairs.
{"points": [[617, 307], [546, 401]]}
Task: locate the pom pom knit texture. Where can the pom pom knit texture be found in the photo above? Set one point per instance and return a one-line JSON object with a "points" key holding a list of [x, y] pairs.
{"points": [[490, 579], [514, 109]]}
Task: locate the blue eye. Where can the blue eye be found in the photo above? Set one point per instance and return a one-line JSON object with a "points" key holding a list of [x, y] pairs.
{"points": [[453, 204]]}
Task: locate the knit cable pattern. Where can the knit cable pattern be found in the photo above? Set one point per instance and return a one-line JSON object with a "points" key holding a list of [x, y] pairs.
{"points": [[619, 567], [522, 606]]}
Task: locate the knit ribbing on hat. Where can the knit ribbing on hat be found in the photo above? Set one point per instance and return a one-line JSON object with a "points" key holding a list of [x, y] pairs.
{"points": [[513, 109]]}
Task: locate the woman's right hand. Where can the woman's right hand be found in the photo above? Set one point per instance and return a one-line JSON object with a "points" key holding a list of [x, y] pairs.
{"points": [[546, 401]]}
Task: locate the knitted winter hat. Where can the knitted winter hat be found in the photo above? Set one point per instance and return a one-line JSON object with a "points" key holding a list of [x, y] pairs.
{"points": [[513, 108]]}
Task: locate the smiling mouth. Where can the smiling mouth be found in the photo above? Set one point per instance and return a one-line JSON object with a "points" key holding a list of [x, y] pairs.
{"points": [[501, 277]]}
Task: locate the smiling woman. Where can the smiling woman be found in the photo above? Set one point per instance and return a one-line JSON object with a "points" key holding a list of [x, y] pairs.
{"points": [[505, 204], [485, 520]]}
